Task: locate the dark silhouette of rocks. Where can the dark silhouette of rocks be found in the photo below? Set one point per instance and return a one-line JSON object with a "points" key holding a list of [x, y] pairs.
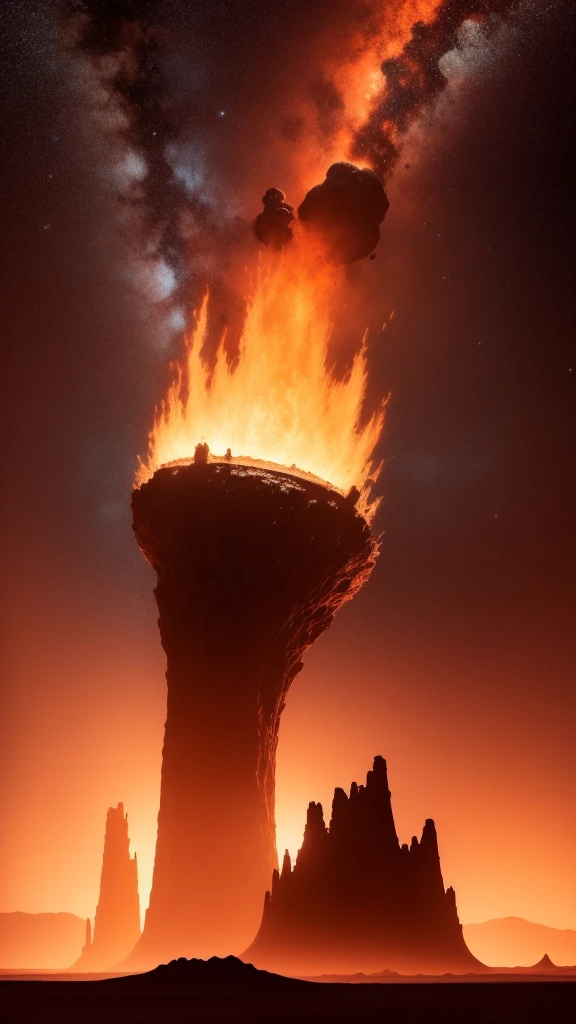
{"points": [[117, 922], [224, 990], [228, 970], [252, 565], [356, 900]]}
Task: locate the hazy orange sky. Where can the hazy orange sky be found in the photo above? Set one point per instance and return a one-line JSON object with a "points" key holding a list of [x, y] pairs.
{"points": [[456, 662]]}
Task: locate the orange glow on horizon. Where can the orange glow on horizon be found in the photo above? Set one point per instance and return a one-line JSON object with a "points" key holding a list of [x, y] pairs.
{"points": [[279, 402]]}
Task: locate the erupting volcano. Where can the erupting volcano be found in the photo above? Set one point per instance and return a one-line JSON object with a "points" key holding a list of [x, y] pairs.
{"points": [[253, 560]]}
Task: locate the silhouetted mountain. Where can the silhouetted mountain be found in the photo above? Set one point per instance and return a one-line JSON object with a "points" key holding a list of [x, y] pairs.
{"points": [[544, 967], [512, 941], [117, 924], [228, 970], [545, 964], [39, 940], [356, 979], [228, 991], [358, 901]]}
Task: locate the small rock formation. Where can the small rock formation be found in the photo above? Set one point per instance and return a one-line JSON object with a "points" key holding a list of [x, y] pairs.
{"points": [[356, 900], [543, 965], [117, 922]]}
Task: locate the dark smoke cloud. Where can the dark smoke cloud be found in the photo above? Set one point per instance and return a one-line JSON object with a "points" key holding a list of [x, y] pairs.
{"points": [[414, 78], [347, 208], [272, 226], [188, 234], [346, 211]]}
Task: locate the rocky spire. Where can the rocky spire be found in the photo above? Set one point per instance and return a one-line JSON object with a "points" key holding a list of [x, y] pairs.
{"points": [[117, 922], [286, 864], [315, 838], [356, 900], [379, 805], [428, 860]]}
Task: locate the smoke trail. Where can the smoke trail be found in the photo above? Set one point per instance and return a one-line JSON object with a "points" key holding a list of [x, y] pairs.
{"points": [[191, 228], [414, 78]]}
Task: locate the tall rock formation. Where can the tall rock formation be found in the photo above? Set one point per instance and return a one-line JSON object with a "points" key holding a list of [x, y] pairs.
{"points": [[117, 922], [356, 900], [252, 565]]}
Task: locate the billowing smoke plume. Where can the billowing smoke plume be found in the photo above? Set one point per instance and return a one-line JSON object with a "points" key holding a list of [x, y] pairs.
{"points": [[348, 207], [192, 233], [346, 211], [272, 226], [414, 79]]}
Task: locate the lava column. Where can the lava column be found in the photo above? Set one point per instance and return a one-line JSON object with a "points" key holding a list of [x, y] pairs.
{"points": [[252, 565]]}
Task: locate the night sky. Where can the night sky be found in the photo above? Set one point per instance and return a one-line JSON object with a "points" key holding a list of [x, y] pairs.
{"points": [[457, 661]]}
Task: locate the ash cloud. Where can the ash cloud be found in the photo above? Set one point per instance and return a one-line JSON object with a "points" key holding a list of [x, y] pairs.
{"points": [[348, 207], [414, 79], [272, 226], [192, 224], [346, 211]]}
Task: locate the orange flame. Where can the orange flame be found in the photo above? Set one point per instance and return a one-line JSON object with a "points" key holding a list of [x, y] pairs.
{"points": [[279, 403]]}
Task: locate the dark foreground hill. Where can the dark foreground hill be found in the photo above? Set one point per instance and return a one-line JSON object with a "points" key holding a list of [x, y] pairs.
{"points": [[228, 990]]}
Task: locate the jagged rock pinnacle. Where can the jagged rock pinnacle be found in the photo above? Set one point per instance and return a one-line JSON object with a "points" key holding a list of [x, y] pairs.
{"points": [[358, 901]]}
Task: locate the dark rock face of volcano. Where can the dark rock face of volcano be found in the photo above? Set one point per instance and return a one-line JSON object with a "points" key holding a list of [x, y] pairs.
{"points": [[252, 565]]}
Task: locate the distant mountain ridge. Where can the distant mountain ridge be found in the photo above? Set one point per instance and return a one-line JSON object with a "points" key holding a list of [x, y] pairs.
{"points": [[40, 940], [52, 941], [513, 941]]}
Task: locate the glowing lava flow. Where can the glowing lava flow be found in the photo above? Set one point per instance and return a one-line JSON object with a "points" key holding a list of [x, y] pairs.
{"points": [[278, 403]]}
